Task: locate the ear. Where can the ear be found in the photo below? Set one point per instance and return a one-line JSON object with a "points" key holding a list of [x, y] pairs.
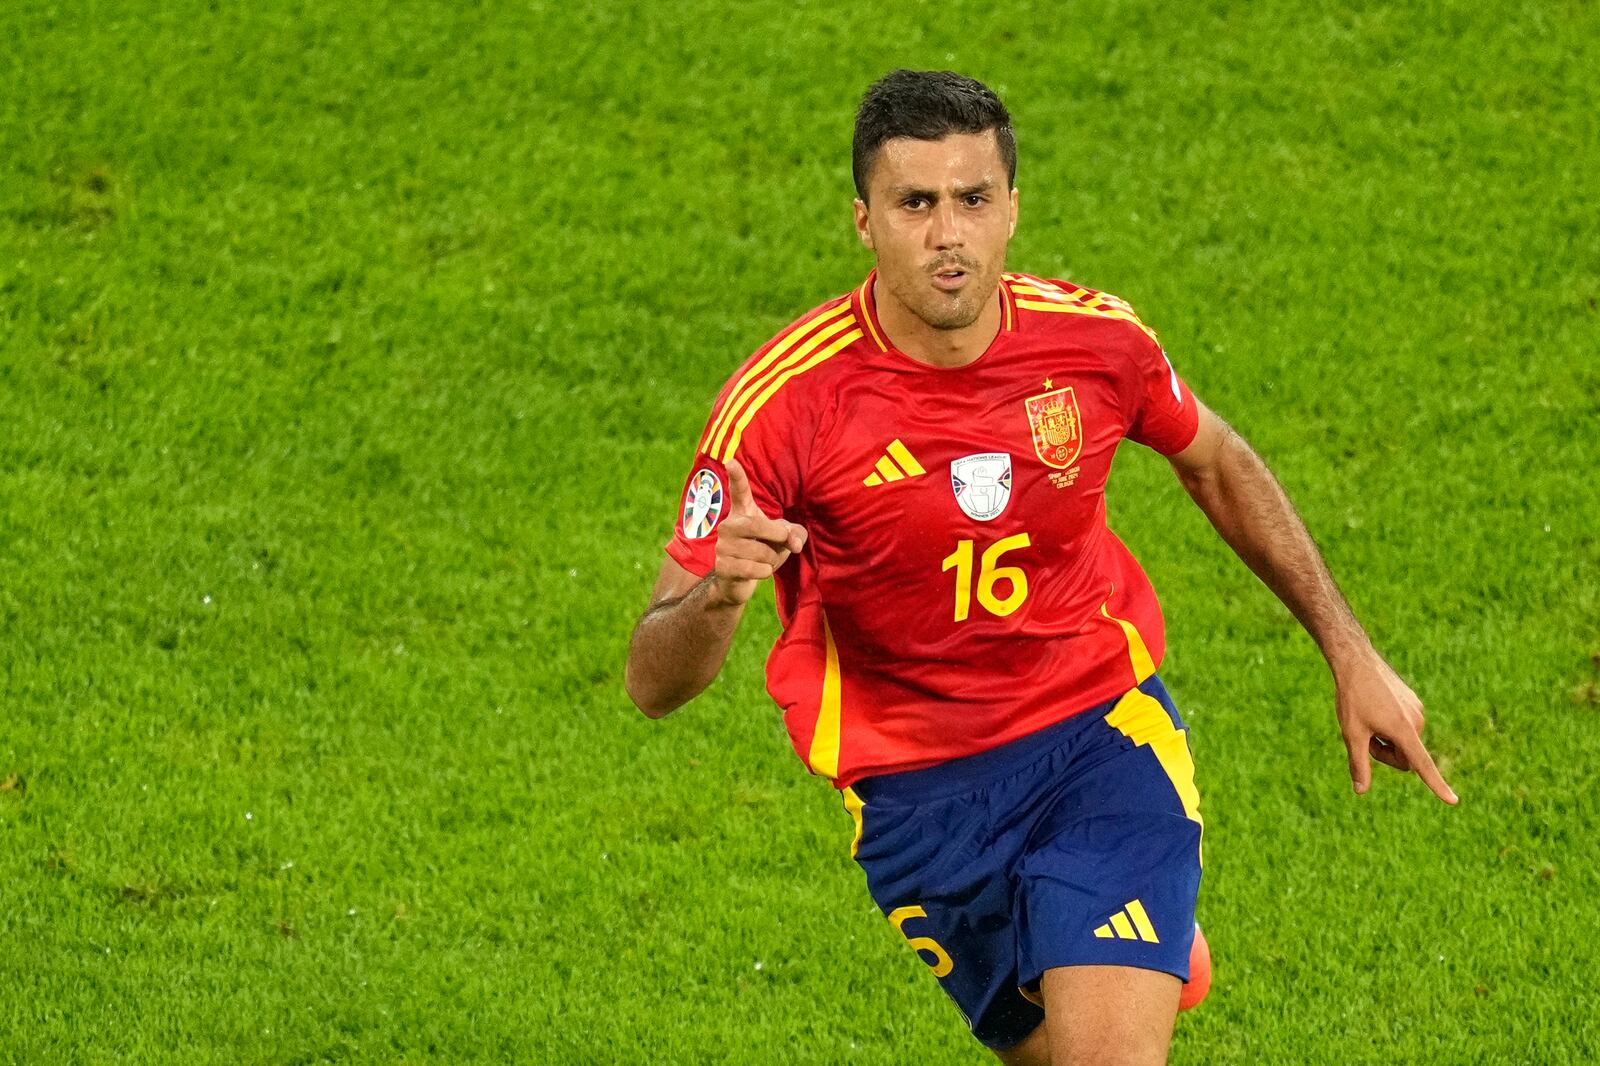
{"points": [[1013, 230], [862, 229]]}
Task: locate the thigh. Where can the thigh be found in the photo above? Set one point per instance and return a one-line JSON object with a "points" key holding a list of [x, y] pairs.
{"points": [[1112, 869], [1109, 1015], [947, 890]]}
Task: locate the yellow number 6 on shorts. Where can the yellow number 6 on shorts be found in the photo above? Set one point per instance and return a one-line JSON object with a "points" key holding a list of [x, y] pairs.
{"points": [[942, 963]]}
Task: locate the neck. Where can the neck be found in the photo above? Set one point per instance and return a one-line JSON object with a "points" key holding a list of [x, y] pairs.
{"points": [[946, 348]]}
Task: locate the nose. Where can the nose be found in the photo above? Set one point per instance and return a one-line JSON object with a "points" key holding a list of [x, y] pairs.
{"points": [[944, 229]]}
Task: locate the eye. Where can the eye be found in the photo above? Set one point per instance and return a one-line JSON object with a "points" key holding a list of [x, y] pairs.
{"points": [[915, 203], [974, 199]]}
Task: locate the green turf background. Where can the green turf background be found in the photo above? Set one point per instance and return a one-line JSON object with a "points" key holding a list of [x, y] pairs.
{"points": [[351, 357]]}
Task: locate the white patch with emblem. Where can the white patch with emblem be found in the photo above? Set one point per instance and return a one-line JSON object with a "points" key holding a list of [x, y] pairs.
{"points": [[702, 504], [982, 483]]}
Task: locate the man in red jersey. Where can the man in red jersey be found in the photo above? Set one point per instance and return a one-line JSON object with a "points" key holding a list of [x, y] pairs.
{"points": [[968, 652]]}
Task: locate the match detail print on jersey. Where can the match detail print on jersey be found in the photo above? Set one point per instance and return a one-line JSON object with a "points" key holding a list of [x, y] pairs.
{"points": [[982, 484], [1057, 426], [702, 504]]}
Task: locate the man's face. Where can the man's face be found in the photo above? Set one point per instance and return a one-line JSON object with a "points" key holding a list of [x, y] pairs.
{"points": [[939, 219]]}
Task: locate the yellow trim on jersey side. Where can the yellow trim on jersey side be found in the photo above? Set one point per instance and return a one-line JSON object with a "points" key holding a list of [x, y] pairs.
{"points": [[1142, 719], [827, 353], [853, 804], [824, 754], [776, 352], [777, 372], [1138, 652]]}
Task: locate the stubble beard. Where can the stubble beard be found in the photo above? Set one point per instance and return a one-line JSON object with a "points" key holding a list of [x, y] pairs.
{"points": [[952, 311]]}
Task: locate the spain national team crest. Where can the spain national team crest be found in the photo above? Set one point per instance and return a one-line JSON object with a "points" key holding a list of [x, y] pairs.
{"points": [[702, 504], [982, 483], [1057, 426]]}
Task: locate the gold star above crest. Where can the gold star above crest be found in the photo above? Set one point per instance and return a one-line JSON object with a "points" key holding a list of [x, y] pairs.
{"points": [[1048, 383]]}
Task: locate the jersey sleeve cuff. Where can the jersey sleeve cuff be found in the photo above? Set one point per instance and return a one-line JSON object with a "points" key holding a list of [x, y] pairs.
{"points": [[688, 558], [1184, 436]]}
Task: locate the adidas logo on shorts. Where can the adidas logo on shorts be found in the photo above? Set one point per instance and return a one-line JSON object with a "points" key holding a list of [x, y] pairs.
{"points": [[1130, 923]]}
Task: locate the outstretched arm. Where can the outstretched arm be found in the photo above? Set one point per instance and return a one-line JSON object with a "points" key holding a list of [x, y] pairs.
{"points": [[1378, 713], [683, 637]]}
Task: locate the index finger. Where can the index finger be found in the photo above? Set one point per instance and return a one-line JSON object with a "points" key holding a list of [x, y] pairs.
{"points": [[739, 495], [1411, 746], [770, 531]]}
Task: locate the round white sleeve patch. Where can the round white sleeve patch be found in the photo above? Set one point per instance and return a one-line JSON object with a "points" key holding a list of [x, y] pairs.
{"points": [[702, 504]]}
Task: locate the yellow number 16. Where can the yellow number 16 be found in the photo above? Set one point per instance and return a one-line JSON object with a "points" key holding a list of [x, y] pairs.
{"points": [[989, 574]]}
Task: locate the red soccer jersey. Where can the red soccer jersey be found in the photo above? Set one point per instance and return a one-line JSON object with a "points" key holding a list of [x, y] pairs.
{"points": [[959, 588]]}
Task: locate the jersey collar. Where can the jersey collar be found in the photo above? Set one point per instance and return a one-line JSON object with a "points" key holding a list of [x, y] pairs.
{"points": [[866, 309]]}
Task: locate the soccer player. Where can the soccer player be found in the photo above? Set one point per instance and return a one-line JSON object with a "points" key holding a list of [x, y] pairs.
{"points": [[968, 652]]}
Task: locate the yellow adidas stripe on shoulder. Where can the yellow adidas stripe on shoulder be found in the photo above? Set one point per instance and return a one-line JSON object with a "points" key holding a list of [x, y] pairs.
{"points": [[1031, 286], [759, 388], [1098, 312], [1074, 301], [780, 380], [750, 378]]}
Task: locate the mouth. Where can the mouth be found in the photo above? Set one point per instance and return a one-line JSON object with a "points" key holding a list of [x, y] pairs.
{"points": [[950, 279]]}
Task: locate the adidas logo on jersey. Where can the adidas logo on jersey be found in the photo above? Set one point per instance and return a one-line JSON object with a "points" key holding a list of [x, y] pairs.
{"points": [[1130, 923], [895, 464]]}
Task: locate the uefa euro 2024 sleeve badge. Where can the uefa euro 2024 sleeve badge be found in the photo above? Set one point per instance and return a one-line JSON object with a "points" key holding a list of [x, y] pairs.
{"points": [[1057, 426], [702, 504], [982, 483]]}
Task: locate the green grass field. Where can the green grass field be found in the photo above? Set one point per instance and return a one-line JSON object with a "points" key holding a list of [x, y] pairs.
{"points": [[351, 358]]}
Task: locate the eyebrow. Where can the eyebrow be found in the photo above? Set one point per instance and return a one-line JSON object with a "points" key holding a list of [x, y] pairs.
{"points": [[902, 192]]}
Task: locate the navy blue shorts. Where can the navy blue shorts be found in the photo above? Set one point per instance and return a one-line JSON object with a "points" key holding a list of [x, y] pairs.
{"points": [[1076, 845]]}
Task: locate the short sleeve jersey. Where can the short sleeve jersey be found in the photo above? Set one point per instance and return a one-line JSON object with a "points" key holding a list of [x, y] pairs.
{"points": [[959, 587]]}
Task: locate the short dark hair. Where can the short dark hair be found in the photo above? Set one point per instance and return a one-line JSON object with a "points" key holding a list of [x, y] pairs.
{"points": [[927, 105]]}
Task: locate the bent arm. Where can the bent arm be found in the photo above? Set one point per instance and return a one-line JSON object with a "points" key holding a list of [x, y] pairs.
{"points": [[681, 640], [1379, 716]]}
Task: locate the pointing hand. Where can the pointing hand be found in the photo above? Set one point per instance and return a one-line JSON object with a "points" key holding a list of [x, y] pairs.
{"points": [[750, 546], [1381, 718]]}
